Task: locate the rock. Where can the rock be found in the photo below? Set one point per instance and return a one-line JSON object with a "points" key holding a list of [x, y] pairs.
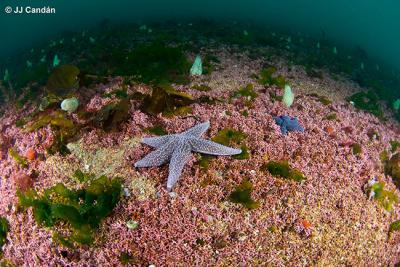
{"points": [[131, 224], [126, 192]]}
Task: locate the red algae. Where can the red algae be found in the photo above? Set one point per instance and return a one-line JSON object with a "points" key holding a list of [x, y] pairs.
{"points": [[326, 220], [23, 181]]}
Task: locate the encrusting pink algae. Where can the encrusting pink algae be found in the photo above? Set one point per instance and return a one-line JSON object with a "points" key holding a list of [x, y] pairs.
{"points": [[324, 220]]}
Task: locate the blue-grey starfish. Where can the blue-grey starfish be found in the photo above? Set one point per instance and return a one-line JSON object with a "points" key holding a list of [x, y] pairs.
{"points": [[288, 124], [177, 148]]}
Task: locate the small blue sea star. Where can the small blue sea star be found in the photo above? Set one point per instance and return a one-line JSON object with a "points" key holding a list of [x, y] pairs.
{"points": [[177, 148], [288, 124]]}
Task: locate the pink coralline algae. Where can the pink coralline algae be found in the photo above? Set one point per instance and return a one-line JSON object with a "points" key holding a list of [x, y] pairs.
{"points": [[324, 220]]}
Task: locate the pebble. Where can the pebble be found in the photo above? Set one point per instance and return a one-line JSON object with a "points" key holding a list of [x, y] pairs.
{"points": [[131, 224], [172, 194], [126, 192]]}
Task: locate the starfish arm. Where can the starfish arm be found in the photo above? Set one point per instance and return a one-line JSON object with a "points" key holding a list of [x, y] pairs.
{"points": [[198, 130], [212, 148], [157, 157], [278, 120], [178, 160], [156, 141], [284, 130]]}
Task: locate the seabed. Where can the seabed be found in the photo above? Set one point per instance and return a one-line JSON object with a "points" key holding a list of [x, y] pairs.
{"points": [[71, 196]]}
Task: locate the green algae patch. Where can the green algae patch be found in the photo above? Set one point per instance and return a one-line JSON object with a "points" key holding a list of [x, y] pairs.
{"points": [[22, 161], [394, 145], [367, 101], [245, 153], [57, 118], [394, 226], [274, 97], [4, 228], [82, 209], [125, 258], [208, 63], [227, 137], [384, 157], [230, 137], [356, 149], [386, 198], [242, 195], [205, 99], [157, 130], [205, 160], [323, 99], [282, 169], [20, 123], [63, 80], [168, 101], [331, 117], [267, 77], [246, 91], [82, 177], [30, 94], [121, 93], [245, 113], [154, 63], [202, 87]]}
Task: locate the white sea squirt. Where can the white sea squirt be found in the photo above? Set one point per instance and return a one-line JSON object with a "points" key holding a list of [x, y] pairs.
{"points": [[288, 96], [70, 104], [197, 67]]}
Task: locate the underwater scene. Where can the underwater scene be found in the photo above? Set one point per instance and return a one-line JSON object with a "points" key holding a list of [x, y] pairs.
{"points": [[196, 140]]}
